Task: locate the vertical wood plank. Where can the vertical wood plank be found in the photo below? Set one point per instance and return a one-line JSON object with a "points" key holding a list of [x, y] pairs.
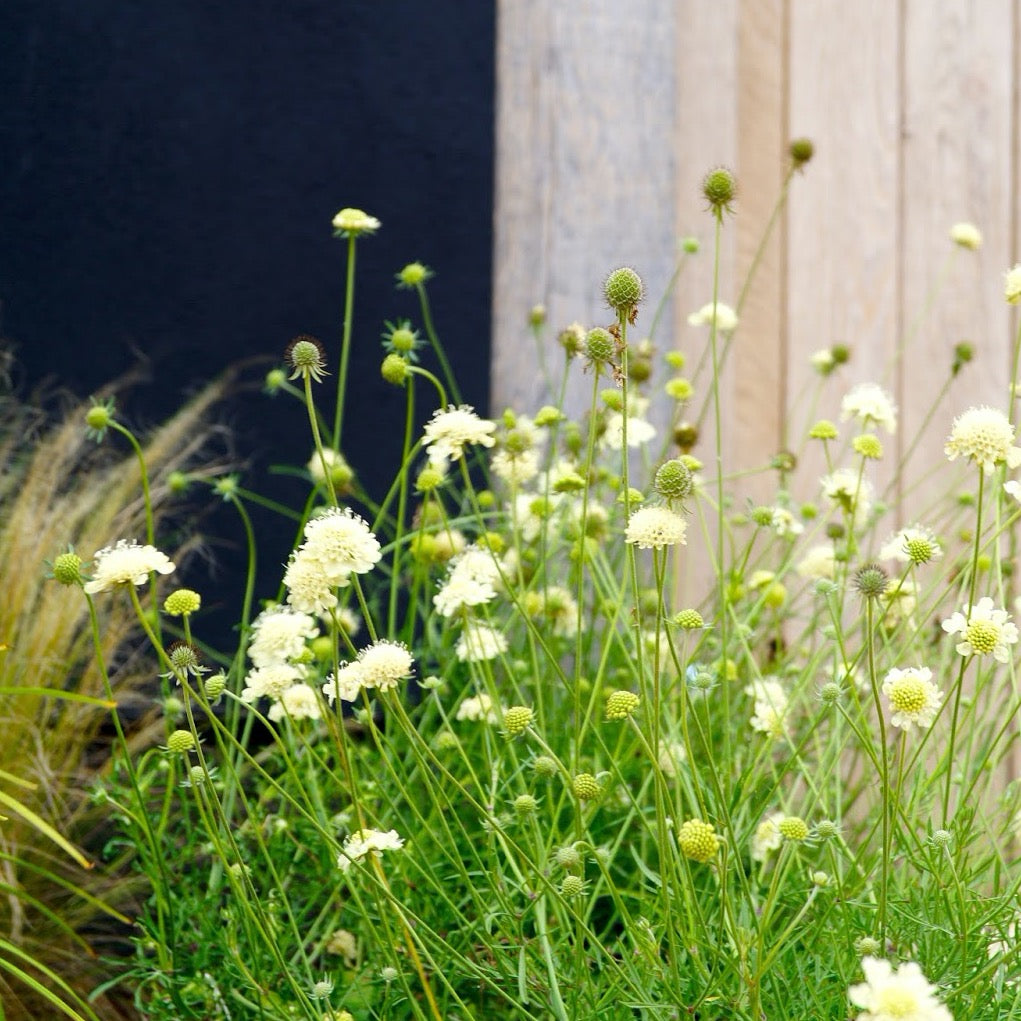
{"points": [[843, 220], [585, 170], [959, 77], [706, 137], [760, 348]]}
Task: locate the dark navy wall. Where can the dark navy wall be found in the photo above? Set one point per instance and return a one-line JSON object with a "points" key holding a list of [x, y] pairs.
{"points": [[168, 173]]}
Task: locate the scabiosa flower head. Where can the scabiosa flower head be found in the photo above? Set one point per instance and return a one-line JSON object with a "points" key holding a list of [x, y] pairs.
{"points": [[698, 840], [621, 704], [824, 429], [67, 568], [913, 697], [346, 684], [870, 403], [572, 886], [515, 467], [342, 543], [901, 995], [307, 357], [1012, 285], [517, 719], [726, 317], [793, 828], [310, 586], [279, 634], [478, 709], [719, 189], [585, 787], [350, 223], [385, 664], [298, 702], [479, 642], [364, 842], [180, 742], [655, 527], [801, 151], [967, 235], [127, 563], [818, 562], [868, 446], [689, 620], [270, 681], [450, 429], [871, 581], [182, 603], [639, 429], [986, 436], [983, 630], [770, 706], [600, 346], [674, 480], [767, 836], [914, 544], [623, 289], [184, 660], [845, 488], [341, 473]]}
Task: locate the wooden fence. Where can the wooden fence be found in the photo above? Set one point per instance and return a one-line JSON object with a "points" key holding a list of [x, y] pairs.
{"points": [[609, 115]]}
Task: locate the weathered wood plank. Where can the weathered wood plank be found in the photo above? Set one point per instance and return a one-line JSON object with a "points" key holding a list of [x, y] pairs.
{"points": [[585, 170], [843, 221]]}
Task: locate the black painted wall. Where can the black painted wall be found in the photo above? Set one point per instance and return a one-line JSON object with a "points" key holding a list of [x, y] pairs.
{"points": [[169, 171]]}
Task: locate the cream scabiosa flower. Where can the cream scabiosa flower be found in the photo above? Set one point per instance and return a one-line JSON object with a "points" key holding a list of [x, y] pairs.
{"points": [[914, 544], [818, 562], [126, 563], [726, 317], [870, 403], [298, 702], [478, 709], [279, 634], [901, 995], [384, 665], [655, 527], [913, 697], [986, 436], [1012, 285], [967, 235], [342, 543], [480, 642], [983, 630], [451, 429], [365, 842]]}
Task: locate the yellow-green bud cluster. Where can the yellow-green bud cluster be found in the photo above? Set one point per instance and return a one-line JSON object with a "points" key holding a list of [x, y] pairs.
{"points": [[184, 658], [394, 369], [793, 827], [600, 345], [182, 602], [307, 357], [871, 581], [919, 549], [215, 686], [621, 704], [586, 787], [801, 150], [698, 840], [67, 568], [544, 765], [868, 446], [567, 857], [689, 620], [673, 480], [623, 289], [719, 189], [525, 804], [180, 742], [413, 274], [517, 719], [572, 886]]}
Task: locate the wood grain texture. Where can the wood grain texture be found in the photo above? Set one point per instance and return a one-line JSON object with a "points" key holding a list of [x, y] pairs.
{"points": [[585, 177]]}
